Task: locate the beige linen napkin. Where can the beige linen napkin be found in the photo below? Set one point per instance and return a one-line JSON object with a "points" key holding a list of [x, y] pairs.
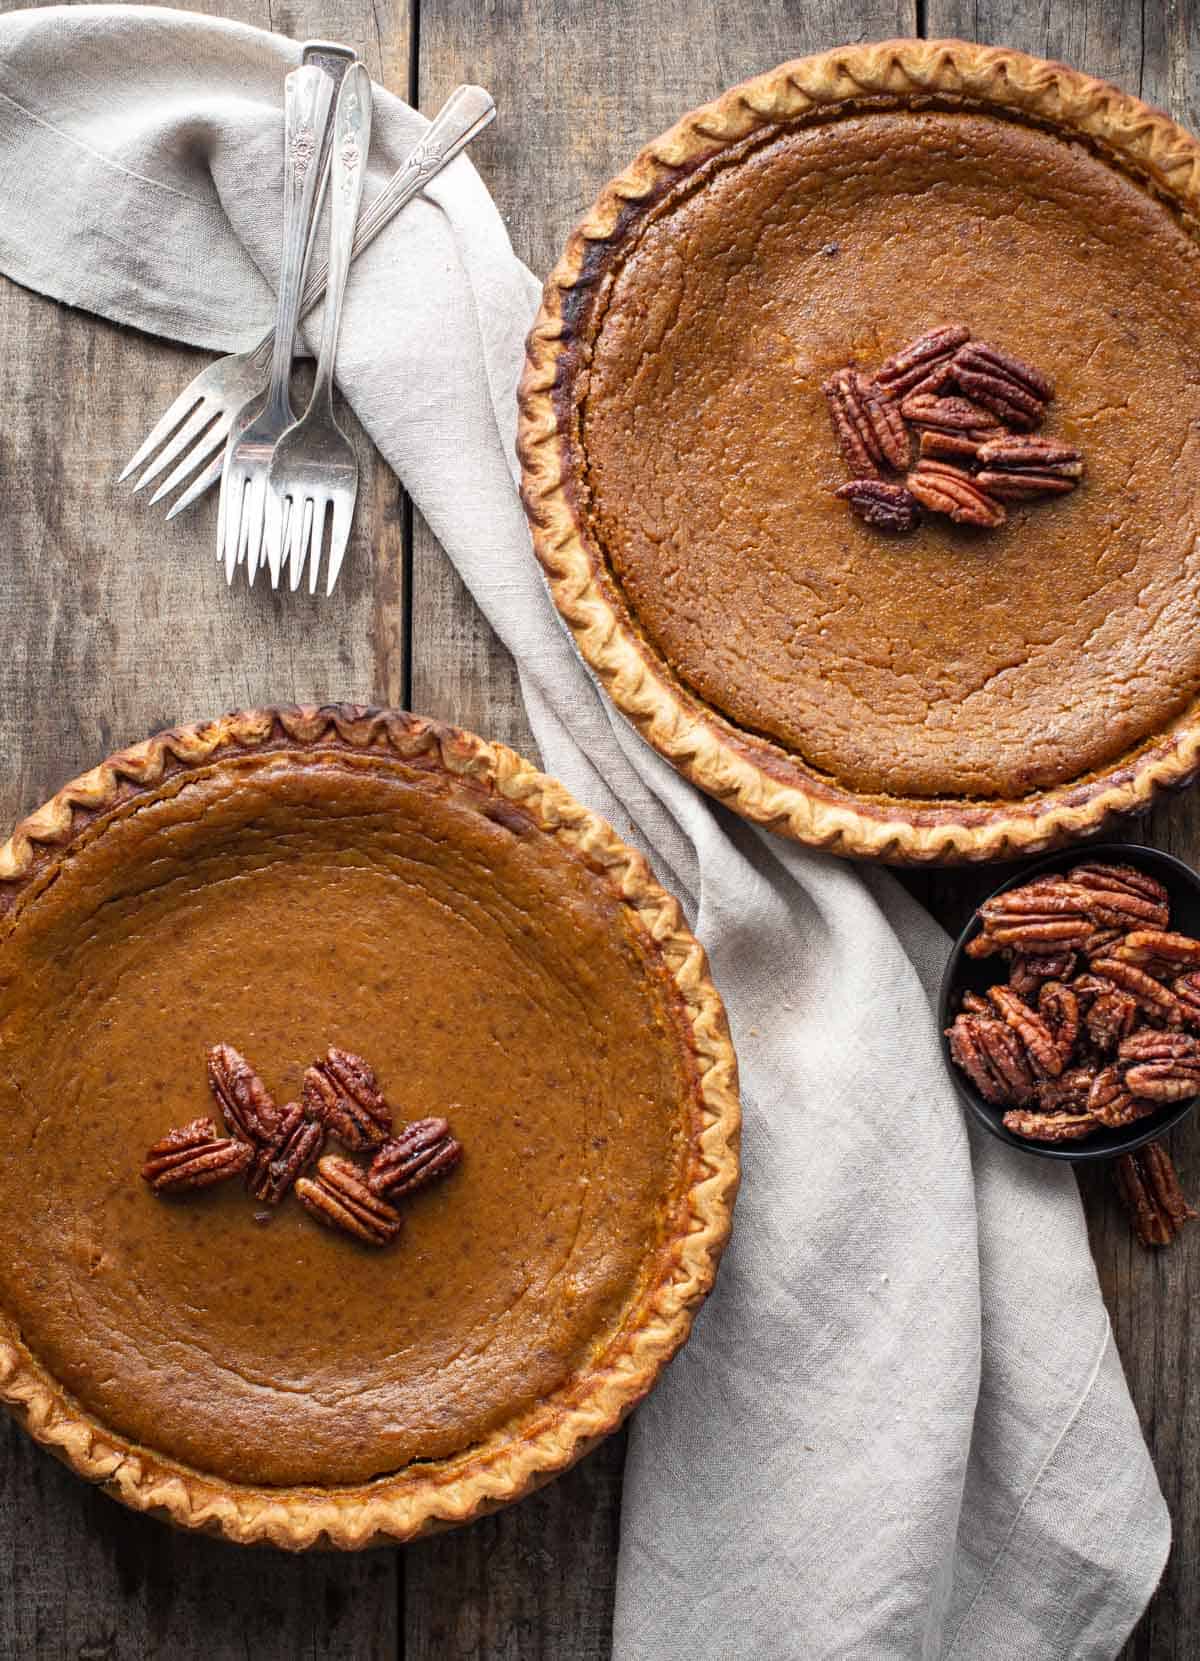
{"points": [[893, 1434]]}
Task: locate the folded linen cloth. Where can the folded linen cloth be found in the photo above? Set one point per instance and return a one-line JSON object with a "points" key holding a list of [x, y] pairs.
{"points": [[893, 1433]]}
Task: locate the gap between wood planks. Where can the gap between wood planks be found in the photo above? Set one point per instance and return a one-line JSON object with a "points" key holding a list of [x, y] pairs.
{"points": [[407, 530]]}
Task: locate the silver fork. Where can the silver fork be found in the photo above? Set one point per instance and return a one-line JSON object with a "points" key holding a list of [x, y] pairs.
{"points": [[307, 94], [205, 409], [201, 412], [314, 471]]}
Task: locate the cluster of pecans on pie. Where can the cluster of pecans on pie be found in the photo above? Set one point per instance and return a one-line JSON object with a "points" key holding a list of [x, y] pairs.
{"points": [[970, 410], [275, 1146]]}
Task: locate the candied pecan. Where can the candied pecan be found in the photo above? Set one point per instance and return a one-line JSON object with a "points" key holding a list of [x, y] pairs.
{"points": [[1068, 1093], [1143, 988], [866, 423], [1110, 1103], [1151, 1045], [1164, 1082], [1163, 1183], [343, 1091], [943, 488], [1124, 911], [1110, 1018], [1111, 874], [194, 1156], [298, 1141], [1010, 389], [968, 1054], [1035, 936], [925, 359], [1027, 971], [982, 944], [422, 1151], [1187, 989], [1149, 1188], [1021, 487], [1044, 918], [887, 425], [241, 1095], [1151, 947], [974, 1003], [1023, 450], [1049, 1127], [950, 415], [1039, 935], [1088, 986], [860, 450], [1059, 1009], [1019, 468], [885, 507], [944, 446], [1100, 941], [1034, 1032], [992, 1058], [1037, 899], [1008, 1059], [1161, 1066], [340, 1198], [1122, 896]]}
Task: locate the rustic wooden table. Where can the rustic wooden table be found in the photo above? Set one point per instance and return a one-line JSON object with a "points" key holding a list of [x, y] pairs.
{"points": [[116, 625]]}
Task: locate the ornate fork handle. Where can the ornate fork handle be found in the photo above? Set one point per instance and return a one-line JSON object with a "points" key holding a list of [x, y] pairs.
{"points": [[308, 94], [426, 159], [467, 111], [352, 140]]}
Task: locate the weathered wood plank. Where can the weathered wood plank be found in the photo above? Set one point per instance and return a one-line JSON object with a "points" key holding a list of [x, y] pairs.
{"points": [[84, 1579], [1150, 50], [115, 624], [579, 90]]}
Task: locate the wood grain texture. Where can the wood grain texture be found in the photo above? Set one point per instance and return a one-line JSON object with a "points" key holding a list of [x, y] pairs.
{"points": [[580, 88], [116, 624], [1153, 50]]}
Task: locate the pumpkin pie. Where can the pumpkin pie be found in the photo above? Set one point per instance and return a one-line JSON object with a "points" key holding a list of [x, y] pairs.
{"points": [[951, 693], [286, 880]]}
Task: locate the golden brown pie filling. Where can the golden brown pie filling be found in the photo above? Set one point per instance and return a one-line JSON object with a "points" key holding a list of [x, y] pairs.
{"points": [[947, 663], [283, 904]]}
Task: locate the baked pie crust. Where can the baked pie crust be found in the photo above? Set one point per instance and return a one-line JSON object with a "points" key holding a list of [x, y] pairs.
{"points": [[676, 1268], [670, 678]]}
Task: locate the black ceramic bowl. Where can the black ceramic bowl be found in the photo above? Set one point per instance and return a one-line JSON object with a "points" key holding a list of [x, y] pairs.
{"points": [[965, 974]]}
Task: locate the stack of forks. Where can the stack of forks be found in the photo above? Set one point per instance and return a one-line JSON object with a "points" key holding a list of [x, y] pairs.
{"points": [[288, 486]]}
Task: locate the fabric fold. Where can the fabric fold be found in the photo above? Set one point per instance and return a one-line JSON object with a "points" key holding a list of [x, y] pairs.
{"points": [[892, 1433]]}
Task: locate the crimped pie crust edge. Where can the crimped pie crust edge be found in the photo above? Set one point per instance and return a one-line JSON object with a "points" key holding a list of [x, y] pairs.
{"points": [[749, 774], [531, 1450]]}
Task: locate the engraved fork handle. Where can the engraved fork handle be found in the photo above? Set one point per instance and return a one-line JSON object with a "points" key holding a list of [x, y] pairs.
{"points": [[348, 166], [335, 60], [307, 94], [463, 116]]}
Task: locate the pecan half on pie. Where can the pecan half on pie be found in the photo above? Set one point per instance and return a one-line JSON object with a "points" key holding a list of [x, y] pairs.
{"points": [[984, 267], [431, 917]]}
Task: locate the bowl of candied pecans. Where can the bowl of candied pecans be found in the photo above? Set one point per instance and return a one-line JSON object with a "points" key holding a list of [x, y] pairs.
{"points": [[1070, 1007]]}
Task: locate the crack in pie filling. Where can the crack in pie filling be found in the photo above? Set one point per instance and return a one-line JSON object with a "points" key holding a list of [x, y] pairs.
{"points": [[944, 693], [341, 877]]}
